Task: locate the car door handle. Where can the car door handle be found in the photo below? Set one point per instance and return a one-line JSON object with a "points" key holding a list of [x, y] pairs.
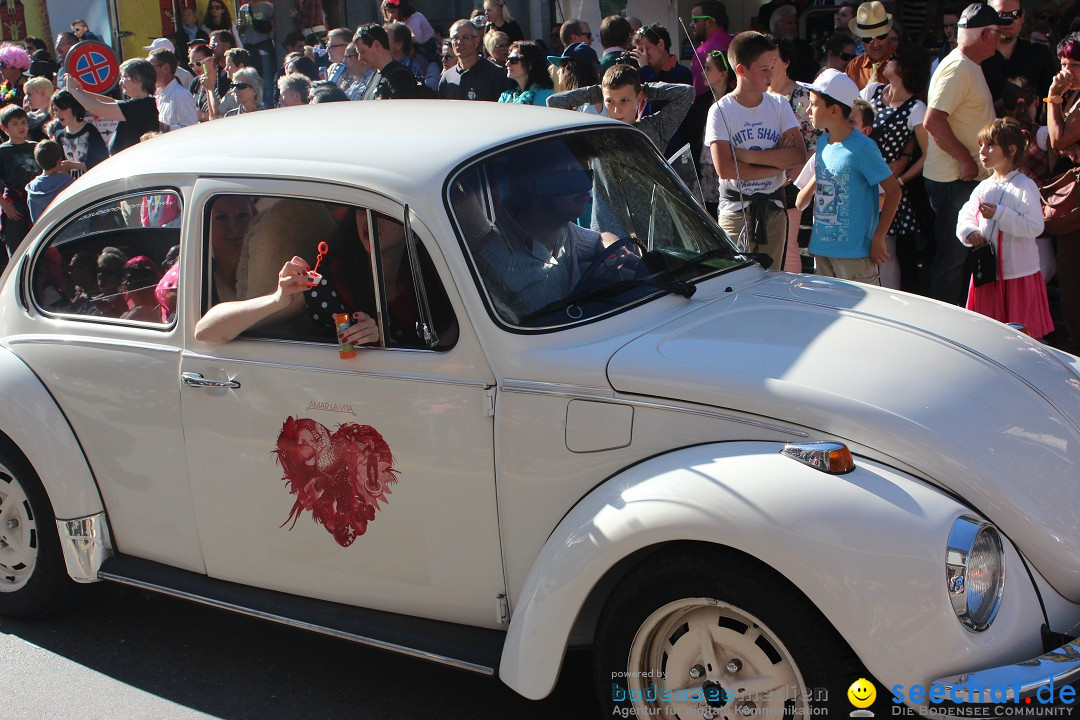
{"points": [[197, 380]]}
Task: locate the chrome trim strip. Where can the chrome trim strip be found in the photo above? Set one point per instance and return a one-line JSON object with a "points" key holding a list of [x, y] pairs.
{"points": [[337, 371], [86, 545], [545, 388], [83, 340], [1023, 679], [942, 338], [292, 622], [591, 393]]}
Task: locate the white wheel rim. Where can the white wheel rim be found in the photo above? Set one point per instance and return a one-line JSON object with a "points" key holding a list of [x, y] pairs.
{"points": [[736, 657], [18, 534]]}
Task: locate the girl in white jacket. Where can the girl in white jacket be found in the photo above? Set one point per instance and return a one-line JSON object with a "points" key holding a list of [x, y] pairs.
{"points": [[1005, 210]]}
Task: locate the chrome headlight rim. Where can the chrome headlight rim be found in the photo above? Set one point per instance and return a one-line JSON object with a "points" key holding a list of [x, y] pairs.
{"points": [[965, 534]]}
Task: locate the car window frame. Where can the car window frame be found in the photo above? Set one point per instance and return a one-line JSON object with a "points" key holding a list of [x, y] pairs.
{"points": [[30, 259], [378, 279], [478, 282]]}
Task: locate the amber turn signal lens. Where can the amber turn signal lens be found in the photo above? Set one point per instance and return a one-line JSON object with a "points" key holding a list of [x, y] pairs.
{"points": [[829, 457]]}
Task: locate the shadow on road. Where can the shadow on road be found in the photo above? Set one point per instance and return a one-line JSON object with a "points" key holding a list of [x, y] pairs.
{"points": [[236, 667]]}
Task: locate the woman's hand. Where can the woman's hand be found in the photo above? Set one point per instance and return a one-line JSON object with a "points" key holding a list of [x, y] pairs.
{"points": [[295, 277], [987, 210], [975, 239], [364, 330], [1060, 84]]}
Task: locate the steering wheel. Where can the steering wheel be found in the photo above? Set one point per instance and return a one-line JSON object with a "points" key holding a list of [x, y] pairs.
{"points": [[617, 262]]}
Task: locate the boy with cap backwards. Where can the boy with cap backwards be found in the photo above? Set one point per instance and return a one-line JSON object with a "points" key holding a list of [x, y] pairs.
{"points": [[848, 240]]}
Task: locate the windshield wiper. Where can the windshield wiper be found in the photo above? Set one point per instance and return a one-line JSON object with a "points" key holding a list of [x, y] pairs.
{"points": [[678, 287]]}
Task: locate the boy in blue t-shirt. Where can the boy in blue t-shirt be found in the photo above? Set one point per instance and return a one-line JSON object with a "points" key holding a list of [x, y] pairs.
{"points": [[848, 241]]}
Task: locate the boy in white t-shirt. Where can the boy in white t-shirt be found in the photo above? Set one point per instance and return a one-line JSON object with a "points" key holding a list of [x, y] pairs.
{"points": [[754, 138]]}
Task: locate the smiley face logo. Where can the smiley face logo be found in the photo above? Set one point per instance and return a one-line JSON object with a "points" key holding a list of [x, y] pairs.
{"points": [[862, 693]]}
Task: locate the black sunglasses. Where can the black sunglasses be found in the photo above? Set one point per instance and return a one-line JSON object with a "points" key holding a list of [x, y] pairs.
{"points": [[847, 57], [872, 38], [239, 86], [1010, 14], [511, 60]]}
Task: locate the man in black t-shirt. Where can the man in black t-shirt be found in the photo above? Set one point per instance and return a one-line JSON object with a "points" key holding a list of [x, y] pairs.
{"points": [[474, 77], [392, 80]]}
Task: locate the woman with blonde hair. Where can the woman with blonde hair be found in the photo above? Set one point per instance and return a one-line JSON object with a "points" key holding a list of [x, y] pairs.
{"points": [[497, 45], [499, 19]]}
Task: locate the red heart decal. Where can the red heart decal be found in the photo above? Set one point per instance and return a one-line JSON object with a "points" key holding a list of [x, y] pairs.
{"points": [[341, 478]]}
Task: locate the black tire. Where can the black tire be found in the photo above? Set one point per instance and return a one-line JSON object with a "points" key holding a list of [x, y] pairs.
{"points": [[676, 594], [38, 587]]}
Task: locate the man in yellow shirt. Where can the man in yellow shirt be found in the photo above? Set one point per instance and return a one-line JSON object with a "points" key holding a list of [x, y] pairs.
{"points": [[959, 104]]}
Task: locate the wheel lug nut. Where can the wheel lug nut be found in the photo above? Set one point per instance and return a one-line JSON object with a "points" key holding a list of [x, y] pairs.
{"points": [[696, 672], [734, 666], [13, 523]]}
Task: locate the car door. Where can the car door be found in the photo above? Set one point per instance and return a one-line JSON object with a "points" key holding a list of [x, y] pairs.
{"points": [[368, 480], [110, 357]]}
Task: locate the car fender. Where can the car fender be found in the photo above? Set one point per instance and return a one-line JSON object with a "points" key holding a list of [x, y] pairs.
{"points": [[31, 419], [867, 548]]}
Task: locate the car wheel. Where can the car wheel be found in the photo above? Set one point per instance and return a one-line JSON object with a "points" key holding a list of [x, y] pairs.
{"points": [[33, 579], [708, 634]]}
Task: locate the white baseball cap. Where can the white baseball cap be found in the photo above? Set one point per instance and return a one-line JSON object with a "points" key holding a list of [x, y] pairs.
{"points": [[161, 43], [836, 85]]}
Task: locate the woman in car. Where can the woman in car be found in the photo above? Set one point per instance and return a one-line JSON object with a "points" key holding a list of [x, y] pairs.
{"points": [[297, 285]]}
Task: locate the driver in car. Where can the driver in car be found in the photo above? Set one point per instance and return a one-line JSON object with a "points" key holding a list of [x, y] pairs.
{"points": [[536, 252]]}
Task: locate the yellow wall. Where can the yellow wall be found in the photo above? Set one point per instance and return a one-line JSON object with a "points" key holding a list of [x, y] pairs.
{"points": [[143, 18]]}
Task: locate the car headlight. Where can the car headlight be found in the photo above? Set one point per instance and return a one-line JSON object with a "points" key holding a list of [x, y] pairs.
{"points": [[974, 572]]}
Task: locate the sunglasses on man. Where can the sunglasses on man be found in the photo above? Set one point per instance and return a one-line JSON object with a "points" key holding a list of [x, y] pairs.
{"points": [[872, 38]]}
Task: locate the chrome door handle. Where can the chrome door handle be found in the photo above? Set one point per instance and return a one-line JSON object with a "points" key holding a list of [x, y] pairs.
{"points": [[197, 380]]}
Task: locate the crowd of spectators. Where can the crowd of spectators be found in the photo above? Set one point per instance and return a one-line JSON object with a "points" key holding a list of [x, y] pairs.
{"points": [[928, 80]]}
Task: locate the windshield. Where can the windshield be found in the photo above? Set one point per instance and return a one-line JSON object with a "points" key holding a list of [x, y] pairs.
{"points": [[578, 226]]}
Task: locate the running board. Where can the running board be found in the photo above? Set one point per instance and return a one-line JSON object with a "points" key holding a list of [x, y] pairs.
{"points": [[460, 646]]}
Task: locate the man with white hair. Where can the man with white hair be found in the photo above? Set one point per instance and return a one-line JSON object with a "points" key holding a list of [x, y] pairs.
{"points": [[959, 104], [474, 77]]}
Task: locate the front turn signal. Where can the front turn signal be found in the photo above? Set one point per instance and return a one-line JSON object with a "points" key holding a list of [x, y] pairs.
{"points": [[829, 457]]}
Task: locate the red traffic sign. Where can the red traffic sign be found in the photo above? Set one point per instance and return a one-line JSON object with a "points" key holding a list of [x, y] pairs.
{"points": [[94, 65]]}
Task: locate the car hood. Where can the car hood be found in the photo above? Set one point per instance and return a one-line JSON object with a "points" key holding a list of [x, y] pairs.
{"points": [[973, 405]]}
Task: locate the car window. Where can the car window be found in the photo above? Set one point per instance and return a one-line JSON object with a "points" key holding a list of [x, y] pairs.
{"points": [[116, 259], [575, 227], [250, 238]]}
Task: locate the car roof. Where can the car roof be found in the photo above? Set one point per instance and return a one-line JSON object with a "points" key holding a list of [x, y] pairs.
{"points": [[398, 145]]}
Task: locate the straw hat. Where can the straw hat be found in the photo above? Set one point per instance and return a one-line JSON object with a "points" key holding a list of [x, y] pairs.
{"points": [[871, 20]]}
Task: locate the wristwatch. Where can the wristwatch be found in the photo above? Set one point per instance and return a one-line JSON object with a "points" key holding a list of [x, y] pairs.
{"points": [[1054, 99]]}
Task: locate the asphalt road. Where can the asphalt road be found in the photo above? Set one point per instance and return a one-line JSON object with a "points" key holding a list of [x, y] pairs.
{"points": [[123, 653]]}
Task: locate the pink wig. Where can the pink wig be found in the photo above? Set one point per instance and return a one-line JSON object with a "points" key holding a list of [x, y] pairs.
{"points": [[14, 56]]}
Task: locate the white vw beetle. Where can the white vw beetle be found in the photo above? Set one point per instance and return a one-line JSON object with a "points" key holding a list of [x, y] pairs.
{"points": [[587, 421]]}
